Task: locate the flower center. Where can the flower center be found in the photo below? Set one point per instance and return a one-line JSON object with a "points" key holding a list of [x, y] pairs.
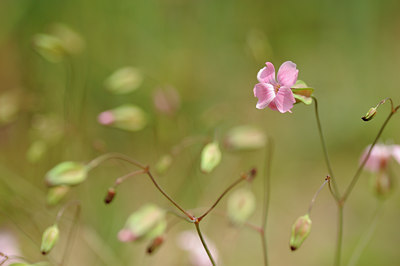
{"points": [[276, 87]]}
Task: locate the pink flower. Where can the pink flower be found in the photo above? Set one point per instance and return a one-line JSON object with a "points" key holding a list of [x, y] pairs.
{"points": [[380, 156], [276, 94]]}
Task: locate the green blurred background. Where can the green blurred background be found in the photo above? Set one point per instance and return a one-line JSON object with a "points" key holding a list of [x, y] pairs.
{"points": [[210, 51]]}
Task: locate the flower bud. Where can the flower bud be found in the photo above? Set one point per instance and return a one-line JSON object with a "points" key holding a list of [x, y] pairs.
{"points": [[166, 101], [300, 230], [163, 164], [146, 223], [71, 40], [124, 80], [49, 239], [56, 194], [66, 173], [245, 138], [371, 113], [241, 205], [210, 157], [36, 151], [155, 244], [125, 117], [10, 106], [382, 183], [49, 47], [110, 195]]}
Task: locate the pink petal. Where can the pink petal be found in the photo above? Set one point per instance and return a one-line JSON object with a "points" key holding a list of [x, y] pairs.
{"points": [[265, 94], [125, 235], [378, 158], [284, 99], [267, 74], [272, 105], [396, 152], [287, 74]]}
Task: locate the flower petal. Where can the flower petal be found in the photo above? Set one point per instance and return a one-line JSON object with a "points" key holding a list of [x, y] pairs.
{"points": [[396, 152], [284, 99], [287, 74], [265, 94], [267, 74]]}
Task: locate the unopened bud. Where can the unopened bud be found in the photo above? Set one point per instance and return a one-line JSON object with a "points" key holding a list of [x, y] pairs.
{"points": [[66, 173], [382, 183], [71, 40], [49, 239], [49, 47], [251, 174], [300, 231], [155, 244], [124, 80], [245, 138], [56, 194], [110, 195], [163, 163], [241, 205], [371, 113], [126, 117], [147, 223], [210, 157], [166, 101]]}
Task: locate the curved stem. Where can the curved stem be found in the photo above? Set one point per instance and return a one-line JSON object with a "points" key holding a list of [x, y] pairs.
{"points": [[339, 236], [221, 196], [71, 233], [327, 161], [362, 243], [327, 179], [197, 225], [122, 179], [361, 167]]}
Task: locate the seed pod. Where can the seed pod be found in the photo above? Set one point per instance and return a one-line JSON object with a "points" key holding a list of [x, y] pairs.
{"points": [[49, 239], [110, 195], [241, 205], [124, 80], [371, 113], [155, 244], [245, 138], [126, 117], [163, 164], [66, 173], [56, 194], [210, 157], [300, 231], [49, 47]]}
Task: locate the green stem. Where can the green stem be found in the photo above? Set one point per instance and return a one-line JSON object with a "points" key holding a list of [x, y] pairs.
{"points": [[197, 225], [339, 236], [327, 161], [71, 231], [362, 243], [361, 167], [316, 195]]}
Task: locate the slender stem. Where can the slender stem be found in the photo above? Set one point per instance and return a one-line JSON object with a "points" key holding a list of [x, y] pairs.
{"points": [[197, 225], [62, 210], [267, 193], [327, 179], [71, 235], [362, 243], [97, 161], [327, 161], [339, 236], [361, 167], [122, 179], [221, 196]]}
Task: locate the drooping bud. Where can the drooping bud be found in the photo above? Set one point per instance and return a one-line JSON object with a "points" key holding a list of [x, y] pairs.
{"points": [[371, 113], [382, 183], [300, 231], [146, 223], [56, 194], [49, 239], [71, 40], [126, 117], [245, 138], [124, 80], [66, 173], [210, 157], [163, 164], [166, 101], [241, 205], [155, 244], [110, 195], [49, 47]]}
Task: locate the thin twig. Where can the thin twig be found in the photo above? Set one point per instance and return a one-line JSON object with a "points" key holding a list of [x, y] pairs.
{"points": [[197, 225]]}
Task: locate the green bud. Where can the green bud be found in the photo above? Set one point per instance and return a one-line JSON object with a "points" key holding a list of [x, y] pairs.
{"points": [[371, 113], [36, 151], [163, 164], [49, 47], [126, 117], [56, 194], [241, 205], [71, 40], [49, 239], [66, 173], [245, 138], [124, 80], [155, 244], [300, 231], [146, 223], [210, 157]]}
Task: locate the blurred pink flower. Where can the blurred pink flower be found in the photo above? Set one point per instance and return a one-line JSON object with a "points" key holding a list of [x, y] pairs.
{"points": [[276, 94], [190, 242], [380, 156]]}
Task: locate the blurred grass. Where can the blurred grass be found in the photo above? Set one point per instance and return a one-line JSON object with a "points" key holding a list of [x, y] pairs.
{"points": [[210, 51]]}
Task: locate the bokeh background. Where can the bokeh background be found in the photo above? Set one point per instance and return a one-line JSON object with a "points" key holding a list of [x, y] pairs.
{"points": [[210, 52]]}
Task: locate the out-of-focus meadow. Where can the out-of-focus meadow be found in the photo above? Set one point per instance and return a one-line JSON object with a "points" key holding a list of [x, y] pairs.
{"points": [[208, 53]]}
